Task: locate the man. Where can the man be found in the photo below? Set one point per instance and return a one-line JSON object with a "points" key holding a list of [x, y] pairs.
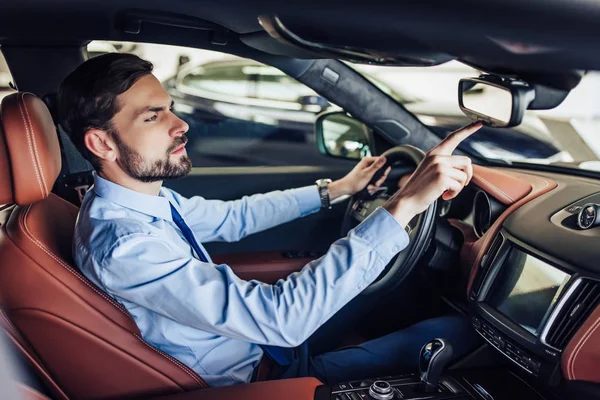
{"points": [[141, 243]]}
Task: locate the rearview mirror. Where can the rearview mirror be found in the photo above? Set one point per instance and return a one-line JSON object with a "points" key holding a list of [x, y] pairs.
{"points": [[339, 135], [497, 102]]}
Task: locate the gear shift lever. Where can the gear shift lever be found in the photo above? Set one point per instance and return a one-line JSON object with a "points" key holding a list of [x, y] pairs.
{"points": [[433, 358]]}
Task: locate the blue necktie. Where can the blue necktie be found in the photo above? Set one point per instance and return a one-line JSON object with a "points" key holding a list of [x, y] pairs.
{"points": [[278, 354], [187, 233]]}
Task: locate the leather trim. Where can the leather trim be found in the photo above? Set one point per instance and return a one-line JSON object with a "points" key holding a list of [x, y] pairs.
{"points": [[501, 184], [289, 389], [469, 240], [28, 353], [32, 147], [581, 358], [266, 267], [473, 253]]}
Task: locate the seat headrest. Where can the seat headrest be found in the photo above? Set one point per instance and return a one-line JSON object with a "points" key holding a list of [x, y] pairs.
{"points": [[29, 150]]}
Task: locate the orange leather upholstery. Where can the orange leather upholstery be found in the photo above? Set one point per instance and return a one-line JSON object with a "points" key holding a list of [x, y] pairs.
{"points": [[581, 358], [266, 267], [85, 341], [31, 148]]}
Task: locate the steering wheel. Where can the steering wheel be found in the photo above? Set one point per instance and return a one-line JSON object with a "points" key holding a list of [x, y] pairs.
{"points": [[420, 229]]}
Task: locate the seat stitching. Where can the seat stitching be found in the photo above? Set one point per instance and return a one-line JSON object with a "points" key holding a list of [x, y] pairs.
{"points": [[184, 367], [580, 345], [35, 167], [37, 156], [66, 266], [119, 306]]}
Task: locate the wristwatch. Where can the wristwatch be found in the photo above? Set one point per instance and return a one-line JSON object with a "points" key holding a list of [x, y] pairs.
{"points": [[324, 192]]}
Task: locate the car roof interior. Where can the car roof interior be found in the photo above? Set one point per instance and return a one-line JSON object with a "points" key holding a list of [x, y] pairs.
{"points": [[544, 42]]}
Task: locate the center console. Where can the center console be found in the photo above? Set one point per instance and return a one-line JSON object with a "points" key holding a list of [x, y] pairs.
{"points": [[528, 305], [407, 386]]}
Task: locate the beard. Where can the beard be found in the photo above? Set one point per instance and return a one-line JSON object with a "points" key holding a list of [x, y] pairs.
{"points": [[148, 171]]}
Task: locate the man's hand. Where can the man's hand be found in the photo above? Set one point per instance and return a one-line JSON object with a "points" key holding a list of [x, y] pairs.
{"points": [[359, 178], [439, 174]]}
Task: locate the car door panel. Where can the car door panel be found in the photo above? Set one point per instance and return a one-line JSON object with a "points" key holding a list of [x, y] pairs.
{"points": [[265, 266]]}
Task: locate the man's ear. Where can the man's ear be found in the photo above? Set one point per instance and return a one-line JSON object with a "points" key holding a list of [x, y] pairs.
{"points": [[99, 143]]}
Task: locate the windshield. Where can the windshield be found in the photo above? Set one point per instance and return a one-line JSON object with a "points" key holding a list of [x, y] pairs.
{"points": [[568, 135]]}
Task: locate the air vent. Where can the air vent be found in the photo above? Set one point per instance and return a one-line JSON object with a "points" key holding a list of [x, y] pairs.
{"points": [[577, 305], [486, 261]]}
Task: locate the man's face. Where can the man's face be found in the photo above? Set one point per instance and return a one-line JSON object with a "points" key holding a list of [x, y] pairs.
{"points": [[149, 137]]}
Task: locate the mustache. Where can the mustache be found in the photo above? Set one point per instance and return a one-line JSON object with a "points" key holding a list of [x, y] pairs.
{"points": [[177, 142]]}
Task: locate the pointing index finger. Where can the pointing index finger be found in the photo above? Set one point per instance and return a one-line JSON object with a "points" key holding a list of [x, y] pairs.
{"points": [[451, 142]]}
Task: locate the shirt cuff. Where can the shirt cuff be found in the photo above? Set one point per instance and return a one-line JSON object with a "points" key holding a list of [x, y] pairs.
{"points": [[385, 234], [308, 199]]}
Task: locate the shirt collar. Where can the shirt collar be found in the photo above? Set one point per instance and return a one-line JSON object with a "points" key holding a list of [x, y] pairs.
{"points": [[156, 206]]}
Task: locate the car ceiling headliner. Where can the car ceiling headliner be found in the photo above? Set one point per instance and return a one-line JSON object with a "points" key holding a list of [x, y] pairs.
{"points": [[565, 33]]}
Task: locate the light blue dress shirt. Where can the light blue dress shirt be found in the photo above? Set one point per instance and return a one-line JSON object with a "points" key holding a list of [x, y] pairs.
{"points": [[202, 313]]}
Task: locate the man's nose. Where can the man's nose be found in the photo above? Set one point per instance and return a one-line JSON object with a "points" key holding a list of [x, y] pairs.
{"points": [[180, 127]]}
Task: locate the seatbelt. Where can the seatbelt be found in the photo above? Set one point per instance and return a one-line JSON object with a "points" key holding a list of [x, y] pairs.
{"points": [[30, 355], [76, 174]]}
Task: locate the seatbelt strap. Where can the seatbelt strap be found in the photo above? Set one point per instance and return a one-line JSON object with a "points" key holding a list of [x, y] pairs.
{"points": [[30, 355], [76, 174]]}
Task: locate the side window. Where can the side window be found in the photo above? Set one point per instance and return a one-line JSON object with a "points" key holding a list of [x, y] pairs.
{"points": [[241, 113], [5, 78], [215, 80]]}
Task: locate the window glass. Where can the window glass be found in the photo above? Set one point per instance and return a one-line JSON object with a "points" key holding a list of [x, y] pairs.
{"points": [[5, 78], [272, 84], [221, 79], [566, 135]]}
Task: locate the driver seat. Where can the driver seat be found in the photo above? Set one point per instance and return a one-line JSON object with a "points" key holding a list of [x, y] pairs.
{"points": [[82, 342]]}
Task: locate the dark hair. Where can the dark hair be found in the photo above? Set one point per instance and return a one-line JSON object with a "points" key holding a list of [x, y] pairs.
{"points": [[87, 98]]}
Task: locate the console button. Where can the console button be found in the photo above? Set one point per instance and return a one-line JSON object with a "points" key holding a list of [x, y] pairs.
{"points": [[354, 396], [534, 366], [501, 342], [341, 387], [519, 352], [363, 395], [573, 209], [360, 384]]}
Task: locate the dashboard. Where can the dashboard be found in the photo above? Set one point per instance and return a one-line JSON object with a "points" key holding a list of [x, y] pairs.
{"points": [[533, 270]]}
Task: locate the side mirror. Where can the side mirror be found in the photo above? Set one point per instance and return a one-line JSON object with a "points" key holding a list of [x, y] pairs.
{"points": [[497, 102], [339, 135]]}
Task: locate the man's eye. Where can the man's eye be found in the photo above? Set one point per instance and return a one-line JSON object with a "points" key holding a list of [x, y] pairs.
{"points": [[152, 118]]}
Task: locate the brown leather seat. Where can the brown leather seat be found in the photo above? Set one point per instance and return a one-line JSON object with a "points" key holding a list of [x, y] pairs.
{"points": [[79, 337]]}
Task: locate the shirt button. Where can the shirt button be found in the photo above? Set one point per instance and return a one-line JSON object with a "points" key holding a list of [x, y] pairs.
{"points": [[396, 249]]}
